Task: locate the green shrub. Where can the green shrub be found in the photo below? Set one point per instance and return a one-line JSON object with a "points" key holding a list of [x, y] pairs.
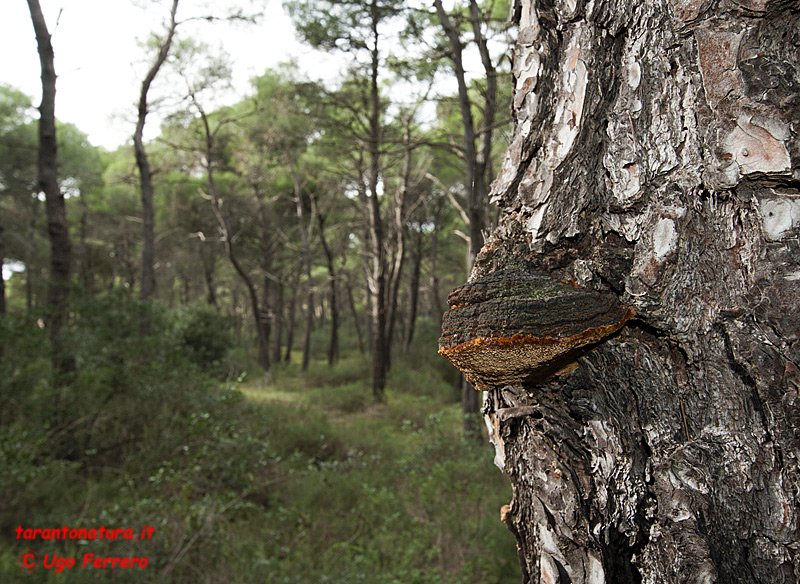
{"points": [[207, 336]]}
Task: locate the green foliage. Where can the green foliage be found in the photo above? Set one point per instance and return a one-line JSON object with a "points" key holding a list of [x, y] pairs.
{"points": [[302, 480], [341, 24], [207, 336]]}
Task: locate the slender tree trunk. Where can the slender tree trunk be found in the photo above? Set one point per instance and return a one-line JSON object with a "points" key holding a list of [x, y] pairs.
{"points": [[398, 237], [436, 305], [261, 320], [55, 207], [413, 292], [277, 320], [2, 279], [309, 327], [304, 227], [148, 286], [368, 312], [273, 295], [290, 321], [479, 202], [354, 312], [380, 355], [333, 346], [209, 260], [654, 158]]}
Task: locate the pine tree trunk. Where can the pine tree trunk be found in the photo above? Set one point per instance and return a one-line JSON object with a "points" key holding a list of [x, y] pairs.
{"points": [[333, 345], [2, 279], [208, 259], [55, 206], [260, 316], [304, 226], [354, 312], [148, 287], [380, 342], [277, 320], [290, 320], [413, 293], [655, 158]]}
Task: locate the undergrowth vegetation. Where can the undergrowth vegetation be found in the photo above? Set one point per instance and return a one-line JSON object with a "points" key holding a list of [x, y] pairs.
{"points": [[301, 478]]}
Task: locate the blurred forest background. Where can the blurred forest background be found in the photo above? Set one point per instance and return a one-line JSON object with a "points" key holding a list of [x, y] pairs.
{"points": [[229, 331]]}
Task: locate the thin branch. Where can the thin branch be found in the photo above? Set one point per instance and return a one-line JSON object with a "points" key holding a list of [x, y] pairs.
{"points": [[461, 211]]}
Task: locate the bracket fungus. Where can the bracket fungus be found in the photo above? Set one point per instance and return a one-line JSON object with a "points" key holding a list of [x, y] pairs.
{"points": [[514, 324]]}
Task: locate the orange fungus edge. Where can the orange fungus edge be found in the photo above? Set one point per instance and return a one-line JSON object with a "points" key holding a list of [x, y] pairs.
{"points": [[523, 339]]}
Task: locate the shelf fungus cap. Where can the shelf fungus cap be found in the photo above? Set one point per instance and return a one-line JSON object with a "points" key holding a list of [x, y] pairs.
{"points": [[512, 324]]}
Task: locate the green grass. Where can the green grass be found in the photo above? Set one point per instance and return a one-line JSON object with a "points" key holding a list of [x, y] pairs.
{"points": [[303, 479], [381, 493]]}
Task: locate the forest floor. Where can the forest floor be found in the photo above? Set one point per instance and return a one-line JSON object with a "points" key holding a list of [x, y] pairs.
{"points": [[391, 491], [301, 479]]}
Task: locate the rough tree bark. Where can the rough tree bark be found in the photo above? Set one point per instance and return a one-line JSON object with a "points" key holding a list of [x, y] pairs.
{"points": [[655, 157], [55, 206]]}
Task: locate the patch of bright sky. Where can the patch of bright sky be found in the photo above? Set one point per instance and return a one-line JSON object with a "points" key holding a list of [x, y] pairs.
{"points": [[100, 62]]}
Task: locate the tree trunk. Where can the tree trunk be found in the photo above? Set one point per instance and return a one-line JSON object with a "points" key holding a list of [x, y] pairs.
{"points": [[55, 207], [333, 345], [435, 304], [413, 293], [260, 318], [304, 226], [398, 241], [354, 312], [654, 158], [368, 317], [309, 327], [273, 287], [148, 287], [2, 279], [290, 320], [208, 259], [277, 320], [380, 355]]}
